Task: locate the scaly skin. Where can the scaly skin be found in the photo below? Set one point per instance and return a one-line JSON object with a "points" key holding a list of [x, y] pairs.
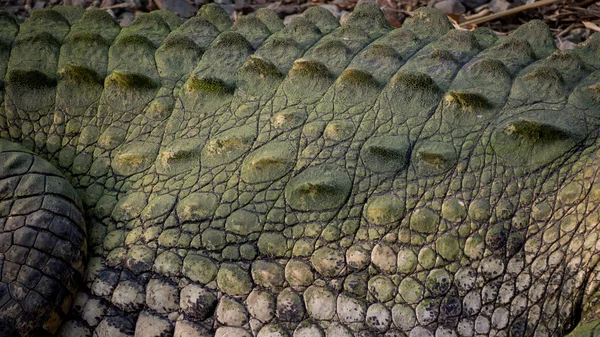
{"points": [[310, 180]]}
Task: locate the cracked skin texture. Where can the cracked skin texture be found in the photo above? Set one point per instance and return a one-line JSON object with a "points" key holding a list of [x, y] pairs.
{"points": [[200, 178]]}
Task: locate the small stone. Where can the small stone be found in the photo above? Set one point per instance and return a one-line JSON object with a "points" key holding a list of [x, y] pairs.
{"points": [[500, 318], [424, 220], [233, 280], [261, 305], [199, 269], [427, 311], [269, 275], [448, 248], [420, 332], [230, 312], [454, 210], [427, 257], [272, 244], [129, 207], [385, 210], [168, 264], [356, 284], [338, 330], [197, 207], [379, 317], [407, 261], [465, 327], [149, 325], [328, 262], [411, 290], [479, 210], [350, 310], [482, 324], [438, 282], [357, 257], [116, 326], [309, 330], [289, 306], [298, 274], [227, 331], [492, 267], [129, 296], [185, 328], [443, 331], [384, 258], [161, 296], [382, 288], [140, 259], [404, 317], [197, 302], [320, 303], [272, 330], [472, 303], [465, 279]]}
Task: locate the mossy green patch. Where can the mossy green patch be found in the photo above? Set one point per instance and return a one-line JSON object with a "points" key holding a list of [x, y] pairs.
{"points": [[268, 163], [424, 220], [539, 37], [258, 76], [80, 75], [45, 39], [136, 39], [261, 67], [385, 210], [88, 38], [10, 27], [252, 29], [47, 15], [199, 268], [467, 102], [488, 68], [209, 85], [536, 132], [131, 81], [448, 248], [428, 23], [485, 37], [358, 78], [415, 82], [216, 15], [272, 244], [30, 79], [168, 17], [180, 42], [435, 157], [385, 153], [321, 18], [369, 18], [318, 188], [442, 55], [310, 69], [232, 40], [270, 19]]}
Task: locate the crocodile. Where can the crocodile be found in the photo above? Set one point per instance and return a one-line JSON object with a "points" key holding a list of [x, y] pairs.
{"points": [[204, 178]]}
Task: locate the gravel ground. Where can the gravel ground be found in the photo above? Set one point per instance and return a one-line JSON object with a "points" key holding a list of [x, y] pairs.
{"points": [[570, 21]]}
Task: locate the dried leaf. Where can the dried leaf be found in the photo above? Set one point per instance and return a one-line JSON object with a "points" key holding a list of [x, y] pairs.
{"points": [[591, 25]]}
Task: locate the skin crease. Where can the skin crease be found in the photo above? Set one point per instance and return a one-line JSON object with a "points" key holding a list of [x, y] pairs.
{"points": [[204, 178]]}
